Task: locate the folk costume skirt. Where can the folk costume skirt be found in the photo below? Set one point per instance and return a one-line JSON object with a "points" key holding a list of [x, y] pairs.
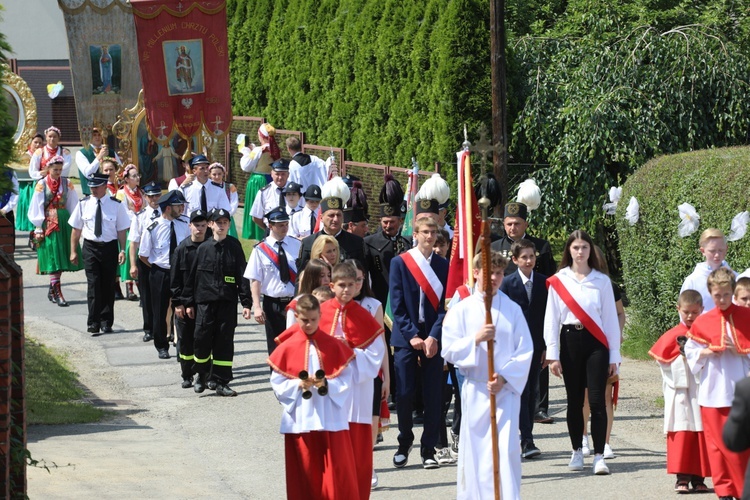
{"points": [[53, 254], [250, 230]]}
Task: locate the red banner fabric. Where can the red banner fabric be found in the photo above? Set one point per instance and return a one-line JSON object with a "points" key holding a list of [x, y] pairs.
{"points": [[182, 50]]}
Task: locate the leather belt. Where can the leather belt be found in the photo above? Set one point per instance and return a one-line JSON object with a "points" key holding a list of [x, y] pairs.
{"points": [[574, 326]]}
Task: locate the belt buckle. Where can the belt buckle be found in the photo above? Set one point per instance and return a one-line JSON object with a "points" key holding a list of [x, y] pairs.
{"points": [[578, 326]]}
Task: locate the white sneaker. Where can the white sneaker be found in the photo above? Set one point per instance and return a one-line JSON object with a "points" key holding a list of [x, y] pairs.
{"points": [[576, 460], [585, 446], [608, 453], [600, 467], [374, 481], [445, 457]]}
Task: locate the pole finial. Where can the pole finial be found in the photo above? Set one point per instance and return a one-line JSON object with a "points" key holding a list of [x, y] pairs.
{"points": [[466, 145]]}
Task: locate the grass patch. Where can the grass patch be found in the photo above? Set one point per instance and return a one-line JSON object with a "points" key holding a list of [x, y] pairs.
{"points": [[53, 394]]}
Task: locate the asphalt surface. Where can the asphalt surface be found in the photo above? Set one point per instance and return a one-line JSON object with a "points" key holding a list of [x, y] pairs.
{"points": [[162, 441]]}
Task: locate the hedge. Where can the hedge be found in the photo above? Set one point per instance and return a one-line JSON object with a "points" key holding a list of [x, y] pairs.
{"points": [[387, 80], [655, 259]]}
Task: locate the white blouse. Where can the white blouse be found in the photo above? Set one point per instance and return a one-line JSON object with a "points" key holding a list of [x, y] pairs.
{"points": [[595, 296]]}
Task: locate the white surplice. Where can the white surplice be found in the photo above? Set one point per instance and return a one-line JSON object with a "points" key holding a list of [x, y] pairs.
{"points": [[513, 350], [319, 413]]}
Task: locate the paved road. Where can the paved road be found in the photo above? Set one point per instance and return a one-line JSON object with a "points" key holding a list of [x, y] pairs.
{"points": [[162, 441]]}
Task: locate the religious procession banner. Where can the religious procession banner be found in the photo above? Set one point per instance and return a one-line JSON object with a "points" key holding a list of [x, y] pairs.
{"points": [[103, 61], [182, 47]]}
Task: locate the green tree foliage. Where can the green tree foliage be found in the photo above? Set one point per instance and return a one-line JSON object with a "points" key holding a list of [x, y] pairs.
{"points": [[7, 144], [655, 259], [599, 106]]}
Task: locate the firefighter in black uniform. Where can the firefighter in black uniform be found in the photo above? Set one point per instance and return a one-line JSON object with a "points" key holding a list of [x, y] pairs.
{"points": [[182, 262], [212, 287]]}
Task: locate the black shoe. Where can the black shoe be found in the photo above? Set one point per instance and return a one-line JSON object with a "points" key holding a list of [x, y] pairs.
{"points": [[224, 390], [93, 330], [118, 292], [187, 383], [163, 354], [529, 450], [401, 458], [132, 296], [541, 417], [106, 329], [147, 337], [211, 384], [429, 461], [417, 417], [51, 294], [200, 383], [380, 438]]}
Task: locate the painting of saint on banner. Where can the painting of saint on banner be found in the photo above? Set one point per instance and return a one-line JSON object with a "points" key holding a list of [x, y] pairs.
{"points": [[105, 68], [183, 61]]}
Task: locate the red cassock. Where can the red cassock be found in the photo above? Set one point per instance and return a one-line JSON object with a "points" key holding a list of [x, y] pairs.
{"points": [[686, 450], [319, 463], [710, 329]]}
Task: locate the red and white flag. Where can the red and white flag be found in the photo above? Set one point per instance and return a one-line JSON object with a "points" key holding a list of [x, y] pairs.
{"points": [[467, 228]]}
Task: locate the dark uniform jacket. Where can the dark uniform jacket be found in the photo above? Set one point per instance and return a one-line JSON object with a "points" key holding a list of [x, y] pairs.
{"points": [[351, 246], [736, 431], [182, 262], [379, 252], [216, 274], [513, 287], [545, 263]]}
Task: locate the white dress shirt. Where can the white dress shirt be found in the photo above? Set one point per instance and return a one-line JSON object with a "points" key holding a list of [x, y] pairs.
{"points": [[114, 218], [261, 268], [155, 240], [35, 164], [85, 167], [266, 200], [299, 224], [141, 221], [216, 197], [595, 296]]}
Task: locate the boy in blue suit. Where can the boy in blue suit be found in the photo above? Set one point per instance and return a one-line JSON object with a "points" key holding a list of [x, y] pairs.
{"points": [[417, 278], [528, 289]]}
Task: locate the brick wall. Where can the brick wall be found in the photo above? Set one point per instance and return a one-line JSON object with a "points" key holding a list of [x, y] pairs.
{"points": [[7, 236], [12, 380]]}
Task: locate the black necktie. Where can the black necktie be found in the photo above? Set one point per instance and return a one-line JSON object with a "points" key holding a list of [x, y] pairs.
{"points": [[283, 264], [98, 219], [204, 204], [172, 240], [282, 200], [313, 220]]}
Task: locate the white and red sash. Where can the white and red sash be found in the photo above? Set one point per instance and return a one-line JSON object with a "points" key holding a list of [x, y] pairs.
{"points": [[425, 276], [578, 311], [273, 256], [463, 291]]}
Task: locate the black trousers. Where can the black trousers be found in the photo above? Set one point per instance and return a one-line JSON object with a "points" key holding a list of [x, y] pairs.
{"points": [[528, 399], [407, 366], [185, 344], [160, 295], [144, 286], [542, 394], [449, 391], [215, 323], [275, 311], [585, 363], [100, 264]]}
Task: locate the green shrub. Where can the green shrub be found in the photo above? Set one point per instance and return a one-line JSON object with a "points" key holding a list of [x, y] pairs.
{"points": [[655, 259]]}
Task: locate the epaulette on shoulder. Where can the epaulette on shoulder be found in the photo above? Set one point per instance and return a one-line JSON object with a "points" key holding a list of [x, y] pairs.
{"points": [[86, 197], [114, 198], [186, 185], [266, 186], [153, 225], [183, 218], [139, 212]]}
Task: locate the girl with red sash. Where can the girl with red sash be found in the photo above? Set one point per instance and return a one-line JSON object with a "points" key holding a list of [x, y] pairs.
{"points": [[133, 197], [53, 200], [583, 341]]}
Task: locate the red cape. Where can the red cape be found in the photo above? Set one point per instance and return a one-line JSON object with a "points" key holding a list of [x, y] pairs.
{"points": [[666, 349], [709, 329], [293, 353], [360, 328]]}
